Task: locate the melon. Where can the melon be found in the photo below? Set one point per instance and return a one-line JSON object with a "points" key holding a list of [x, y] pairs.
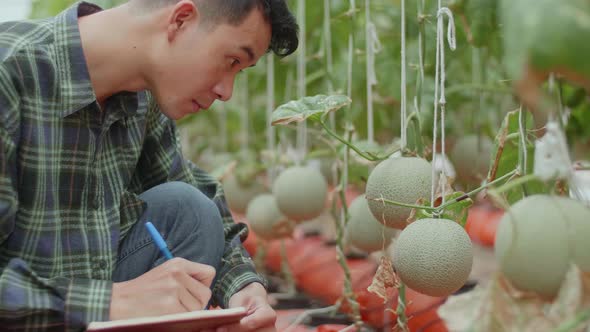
{"points": [[364, 231], [265, 218], [239, 194], [400, 179], [538, 238], [471, 157], [433, 256], [300, 192]]}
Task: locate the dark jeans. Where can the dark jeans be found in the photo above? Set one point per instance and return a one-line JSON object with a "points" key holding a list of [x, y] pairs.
{"points": [[189, 222]]}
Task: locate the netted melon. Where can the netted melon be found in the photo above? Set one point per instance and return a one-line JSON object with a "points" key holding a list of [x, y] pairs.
{"points": [[300, 192], [433, 256], [266, 219], [239, 194], [400, 179], [471, 157], [363, 230], [538, 238]]}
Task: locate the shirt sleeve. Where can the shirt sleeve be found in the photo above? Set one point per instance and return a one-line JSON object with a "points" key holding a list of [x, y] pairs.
{"points": [[162, 161], [27, 301]]}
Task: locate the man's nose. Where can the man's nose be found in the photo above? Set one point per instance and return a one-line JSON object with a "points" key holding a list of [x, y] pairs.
{"points": [[223, 90]]}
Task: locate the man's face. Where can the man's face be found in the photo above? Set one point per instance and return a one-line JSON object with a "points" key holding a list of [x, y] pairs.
{"points": [[198, 64]]}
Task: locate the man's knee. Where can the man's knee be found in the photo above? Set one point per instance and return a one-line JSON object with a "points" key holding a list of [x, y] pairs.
{"points": [[192, 207]]}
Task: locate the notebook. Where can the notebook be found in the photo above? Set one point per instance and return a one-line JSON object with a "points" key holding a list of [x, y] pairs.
{"points": [[186, 322]]}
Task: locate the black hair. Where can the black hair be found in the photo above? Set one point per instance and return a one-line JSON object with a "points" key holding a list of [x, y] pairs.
{"points": [[284, 29]]}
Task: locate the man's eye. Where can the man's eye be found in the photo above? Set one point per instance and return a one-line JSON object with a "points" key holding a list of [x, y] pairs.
{"points": [[235, 62]]}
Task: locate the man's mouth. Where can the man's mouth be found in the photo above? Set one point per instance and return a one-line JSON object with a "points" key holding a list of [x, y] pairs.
{"points": [[196, 106]]}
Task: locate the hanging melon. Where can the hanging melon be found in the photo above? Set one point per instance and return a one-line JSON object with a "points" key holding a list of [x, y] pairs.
{"points": [[400, 179], [471, 158], [538, 238], [266, 219], [433, 256], [364, 231], [300, 192], [238, 194]]}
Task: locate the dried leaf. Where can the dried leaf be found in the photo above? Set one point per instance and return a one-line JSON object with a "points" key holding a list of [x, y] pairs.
{"points": [[498, 306], [384, 279]]}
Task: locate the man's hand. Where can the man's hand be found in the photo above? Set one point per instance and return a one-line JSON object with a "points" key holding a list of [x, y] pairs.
{"points": [[176, 286], [261, 316]]}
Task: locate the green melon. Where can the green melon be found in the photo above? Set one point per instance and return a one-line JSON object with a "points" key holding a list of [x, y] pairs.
{"points": [[538, 238], [238, 195], [265, 218], [300, 192], [471, 159], [433, 256], [364, 231], [399, 179]]}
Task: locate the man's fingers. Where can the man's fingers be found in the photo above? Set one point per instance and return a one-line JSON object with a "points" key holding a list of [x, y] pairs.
{"points": [[196, 289], [190, 302], [263, 317], [202, 272]]}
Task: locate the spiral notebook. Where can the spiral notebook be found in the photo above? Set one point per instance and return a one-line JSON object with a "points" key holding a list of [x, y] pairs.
{"points": [[186, 322]]}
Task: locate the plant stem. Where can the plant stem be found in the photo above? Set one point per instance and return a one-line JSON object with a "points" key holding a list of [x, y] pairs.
{"points": [[515, 183], [402, 320], [286, 270], [412, 206], [369, 157], [571, 325], [475, 191], [348, 292]]}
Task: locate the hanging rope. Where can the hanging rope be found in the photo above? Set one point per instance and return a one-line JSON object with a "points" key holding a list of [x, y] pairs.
{"points": [[373, 45], [329, 62], [420, 79], [404, 116], [439, 82], [270, 102], [244, 115], [222, 113], [301, 79]]}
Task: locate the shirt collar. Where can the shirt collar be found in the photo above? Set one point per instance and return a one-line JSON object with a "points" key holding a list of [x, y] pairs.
{"points": [[76, 90]]}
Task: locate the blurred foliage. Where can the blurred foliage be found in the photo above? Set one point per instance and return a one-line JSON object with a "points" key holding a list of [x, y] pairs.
{"points": [[479, 88]]}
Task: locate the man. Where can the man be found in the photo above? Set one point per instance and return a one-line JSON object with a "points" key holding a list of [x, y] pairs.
{"points": [[89, 152]]}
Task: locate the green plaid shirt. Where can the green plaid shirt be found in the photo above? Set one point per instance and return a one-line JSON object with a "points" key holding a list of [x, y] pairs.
{"points": [[70, 176]]}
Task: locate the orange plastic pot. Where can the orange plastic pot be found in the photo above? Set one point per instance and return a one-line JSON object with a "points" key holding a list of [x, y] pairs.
{"points": [[482, 223]]}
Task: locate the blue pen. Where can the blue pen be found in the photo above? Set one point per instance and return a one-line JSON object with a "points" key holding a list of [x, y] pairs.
{"points": [[159, 240]]}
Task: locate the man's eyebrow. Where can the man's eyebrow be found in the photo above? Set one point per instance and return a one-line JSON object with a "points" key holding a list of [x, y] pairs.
{"points": [[248, 51]]}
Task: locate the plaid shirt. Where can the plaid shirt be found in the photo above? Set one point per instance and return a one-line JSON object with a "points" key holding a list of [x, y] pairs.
{"points": [[70, 175]]}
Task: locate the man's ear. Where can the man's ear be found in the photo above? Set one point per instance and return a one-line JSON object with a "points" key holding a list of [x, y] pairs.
{"points": [[182, 13]]}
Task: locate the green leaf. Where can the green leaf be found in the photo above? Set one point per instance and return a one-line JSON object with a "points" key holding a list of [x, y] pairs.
{"points": [[481, 15], [505, 157], [308, 107], [456, 211], [547, 35]]}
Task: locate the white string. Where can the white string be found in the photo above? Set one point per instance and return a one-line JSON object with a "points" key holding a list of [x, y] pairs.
{"points": [[350, 59], [223, 126], [301, 78], [270, 102], [440, 69], [521, 129], [373, 46], [244, 114], [404, 126], [329, 63]]}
